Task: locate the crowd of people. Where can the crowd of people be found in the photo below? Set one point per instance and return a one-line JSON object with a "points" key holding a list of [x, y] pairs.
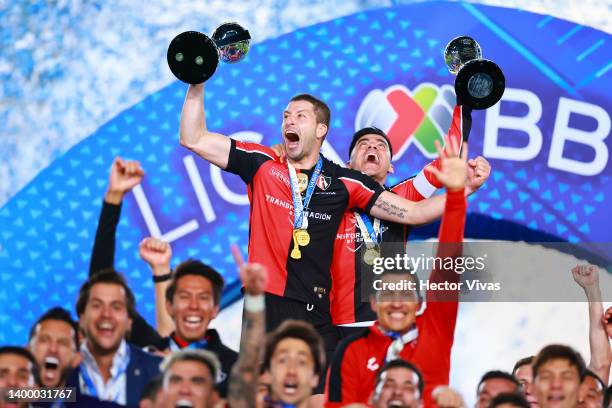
{"points": [[309, 338]]}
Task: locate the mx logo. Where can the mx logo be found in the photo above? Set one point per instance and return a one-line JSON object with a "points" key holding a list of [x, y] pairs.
{"points": [[420, 117]]}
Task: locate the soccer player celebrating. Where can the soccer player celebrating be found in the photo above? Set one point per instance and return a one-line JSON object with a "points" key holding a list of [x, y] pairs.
{"points": [[425, 342], [296, 207], [359, 239], [54, 343]]}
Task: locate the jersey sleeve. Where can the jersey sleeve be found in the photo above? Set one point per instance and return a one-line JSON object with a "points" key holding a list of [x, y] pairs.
{"points": [[407, 190], [245, 158], [426, 183], [362, 190]]}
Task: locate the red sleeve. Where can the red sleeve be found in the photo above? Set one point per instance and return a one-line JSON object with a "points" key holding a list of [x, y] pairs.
{"points": [[425, 182], [245, 158], [437, 328], [362, 190], [407, 190]]}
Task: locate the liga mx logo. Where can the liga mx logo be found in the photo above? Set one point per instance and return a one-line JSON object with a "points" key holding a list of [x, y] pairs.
{"points": [[420, 117]]}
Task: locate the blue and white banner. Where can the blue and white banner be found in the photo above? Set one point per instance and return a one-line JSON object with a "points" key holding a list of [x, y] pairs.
{"points": [[547, 140]]}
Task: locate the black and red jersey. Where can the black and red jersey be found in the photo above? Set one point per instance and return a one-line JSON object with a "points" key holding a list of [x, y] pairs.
{"points": [[271, 219], [346, 270], [358, 358]]}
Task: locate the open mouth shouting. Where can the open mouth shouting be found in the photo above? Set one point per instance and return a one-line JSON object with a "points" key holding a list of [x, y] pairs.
{"points": [[372, 157], [290, 387], [292, 139], [50, 370]]}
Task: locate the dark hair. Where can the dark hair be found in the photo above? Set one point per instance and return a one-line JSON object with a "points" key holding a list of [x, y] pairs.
{"points": [[196, 268], [301, 330], [497, 374], [149, 391], [607, 397], [523, 361], [558, 351], [509, 398], [589, 373], [106, 276], [399, 363], [25, 353], [371, 130], [321, 110], [59, 314]]}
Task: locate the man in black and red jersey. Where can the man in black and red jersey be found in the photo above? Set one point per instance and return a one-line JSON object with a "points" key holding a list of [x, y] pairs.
{"points": [[296, 206], [371, 152], [397, 333]]}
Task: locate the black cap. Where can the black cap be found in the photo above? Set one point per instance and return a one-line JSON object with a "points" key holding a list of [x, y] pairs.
{"points": [[371, 130]]}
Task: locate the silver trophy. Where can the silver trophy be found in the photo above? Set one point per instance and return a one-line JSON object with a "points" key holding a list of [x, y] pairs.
{"points": [[480, 83]]}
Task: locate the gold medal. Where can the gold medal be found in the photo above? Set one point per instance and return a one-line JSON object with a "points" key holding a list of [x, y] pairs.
{"points": [[302, 237], [370, 255], [302, 181]]}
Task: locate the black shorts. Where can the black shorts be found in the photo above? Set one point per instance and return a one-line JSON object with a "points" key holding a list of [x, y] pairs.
{"points": [[279, 309]]}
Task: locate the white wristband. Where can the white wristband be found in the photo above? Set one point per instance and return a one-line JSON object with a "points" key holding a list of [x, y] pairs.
{"points": [[254, 303]]}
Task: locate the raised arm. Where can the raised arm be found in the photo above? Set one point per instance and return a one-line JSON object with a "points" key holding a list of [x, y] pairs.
{"points": [[245, 373], [587, 276], [124, 175], [452, 175], [194, 135], [157, 254]]}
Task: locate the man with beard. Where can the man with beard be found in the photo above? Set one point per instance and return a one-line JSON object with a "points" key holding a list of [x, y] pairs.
{"points": [[296, 207], [557, 374], [53, 341], [111, 369], [187, 300], [17, 370], [427, 341]]}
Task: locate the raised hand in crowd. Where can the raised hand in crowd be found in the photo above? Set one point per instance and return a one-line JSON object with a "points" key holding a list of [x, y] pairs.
{"points": [[124, 175], [157, 254], [245, 373], [587, 276]]}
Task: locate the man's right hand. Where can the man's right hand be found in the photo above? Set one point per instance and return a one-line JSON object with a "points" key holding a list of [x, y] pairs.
{"points": [[124, 175], [157, 254]]}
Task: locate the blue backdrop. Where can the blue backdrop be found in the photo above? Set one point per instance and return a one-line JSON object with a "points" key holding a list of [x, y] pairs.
{"points": [[547, 142]]}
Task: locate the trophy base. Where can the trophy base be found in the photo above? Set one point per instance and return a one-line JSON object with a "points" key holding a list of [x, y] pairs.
{"points": [[192, 57], [480, 84]]}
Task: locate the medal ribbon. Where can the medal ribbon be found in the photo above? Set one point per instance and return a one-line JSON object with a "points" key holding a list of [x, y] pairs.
{"points": [[370, 234], [299, 221]]}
